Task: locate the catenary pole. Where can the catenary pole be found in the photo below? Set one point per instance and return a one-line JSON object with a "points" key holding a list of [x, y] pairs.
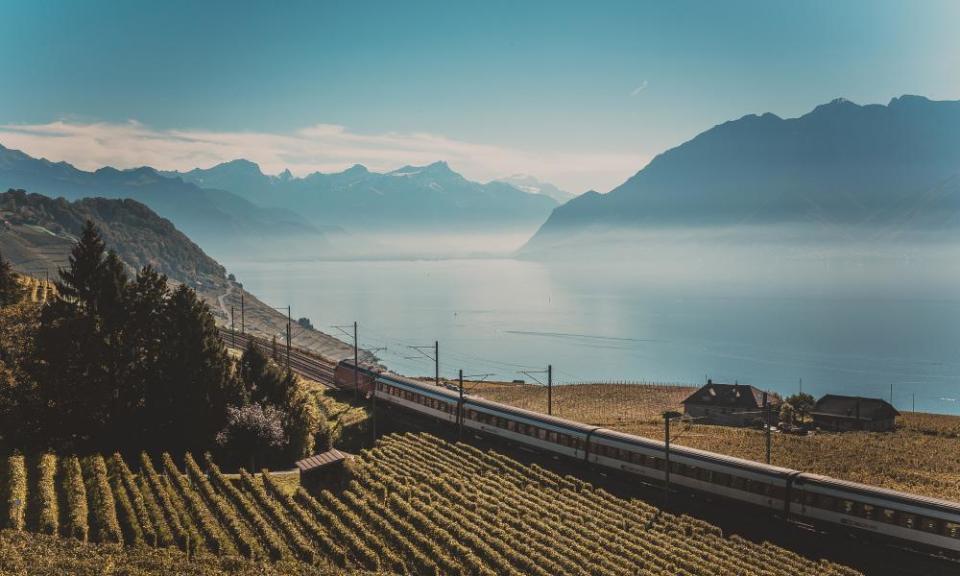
{"points": [[460, 409], [766, 409], [550, 389], [436, 362], [356, 364]]}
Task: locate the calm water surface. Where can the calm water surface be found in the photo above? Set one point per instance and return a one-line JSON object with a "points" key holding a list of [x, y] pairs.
{"points": [[841, 325]]}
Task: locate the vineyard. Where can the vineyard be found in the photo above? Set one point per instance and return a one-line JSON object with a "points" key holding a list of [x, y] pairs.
{"points": [[912, 459], [414, 505], [36, 290]]}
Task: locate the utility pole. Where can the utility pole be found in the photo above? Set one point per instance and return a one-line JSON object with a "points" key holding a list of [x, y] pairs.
{"points": [[550, 389], [233, 329], [243, 326], [766, 409], [914, 402], [460, 409], [667, 416], [891, 393], [422, 350], [356, 364], [288, 338], [373, 412], [801, 385]]}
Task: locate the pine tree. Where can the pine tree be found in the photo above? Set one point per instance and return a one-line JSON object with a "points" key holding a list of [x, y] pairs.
{"points": [[79, 282], [200, 379], [10, 291]]}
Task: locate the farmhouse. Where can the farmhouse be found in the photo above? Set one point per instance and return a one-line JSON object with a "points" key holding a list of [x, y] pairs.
{"points": [[840, 413], [730, 404]]}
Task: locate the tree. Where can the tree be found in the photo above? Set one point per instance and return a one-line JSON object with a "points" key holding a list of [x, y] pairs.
{"points": [[802, 404], [80, 364], [10, 291], [255, 431], [199, 383], [786, 414], [302, 424], [262, 379]]}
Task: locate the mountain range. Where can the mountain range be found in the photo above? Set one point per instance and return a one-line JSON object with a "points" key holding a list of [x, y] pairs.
{"points": [[432, 197], [209, 216], [842, 165]]}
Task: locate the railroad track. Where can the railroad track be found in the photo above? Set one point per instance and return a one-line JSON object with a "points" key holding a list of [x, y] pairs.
{"points": [[302, 363]]}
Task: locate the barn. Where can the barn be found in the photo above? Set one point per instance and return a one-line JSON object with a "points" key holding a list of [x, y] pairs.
{"points": [[842, 413], [730, 404], [324, 470]]}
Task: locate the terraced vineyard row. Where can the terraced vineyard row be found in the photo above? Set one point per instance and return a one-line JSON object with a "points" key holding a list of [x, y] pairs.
{"points": [[37, 290], [415, 505]]}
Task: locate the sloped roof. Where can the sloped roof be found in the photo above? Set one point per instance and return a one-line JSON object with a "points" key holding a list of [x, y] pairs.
{"points": [[730, 395], [853, 407], [320, 460]]}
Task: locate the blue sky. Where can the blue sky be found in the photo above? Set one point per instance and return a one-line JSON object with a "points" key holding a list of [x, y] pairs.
{"points": [[578, 93]]}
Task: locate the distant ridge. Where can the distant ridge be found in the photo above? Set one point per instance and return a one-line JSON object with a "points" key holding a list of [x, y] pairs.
{"points": [[842, 164], [431, 197], [37, 234], [209, 216]]}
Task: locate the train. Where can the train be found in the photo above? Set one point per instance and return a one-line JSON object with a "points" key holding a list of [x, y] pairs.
{"points": [[928, 524]]}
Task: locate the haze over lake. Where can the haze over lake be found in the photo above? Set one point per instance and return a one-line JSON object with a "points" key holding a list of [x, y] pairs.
{"points": [[850, 320]]}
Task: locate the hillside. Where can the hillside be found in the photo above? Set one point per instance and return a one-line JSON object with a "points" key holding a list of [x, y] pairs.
{"points": [[415, 505], [356, 199], [878, 168], [38, 233], [211, 217]]}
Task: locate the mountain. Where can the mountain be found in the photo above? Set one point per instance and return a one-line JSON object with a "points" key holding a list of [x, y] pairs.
{"points": [[410, 198], [531, 185], [842, 165], [210, 216], [38, 232]]}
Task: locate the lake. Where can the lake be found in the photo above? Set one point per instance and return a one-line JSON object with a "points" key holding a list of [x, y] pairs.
{"points": [[843, 323]]}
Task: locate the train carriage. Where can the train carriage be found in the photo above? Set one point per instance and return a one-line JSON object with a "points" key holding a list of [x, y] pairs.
{"points": [[928, 522], [707, 472]]}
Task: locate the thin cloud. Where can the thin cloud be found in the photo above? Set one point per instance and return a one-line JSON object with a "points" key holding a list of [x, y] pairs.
{"points": [[317, 148], [640, 88]]}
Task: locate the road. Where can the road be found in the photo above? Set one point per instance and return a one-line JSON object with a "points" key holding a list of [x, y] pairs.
{"points": [[302, 363]]}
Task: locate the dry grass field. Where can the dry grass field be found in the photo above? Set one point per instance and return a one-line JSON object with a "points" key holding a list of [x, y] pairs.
{"points": [[922, 456]]}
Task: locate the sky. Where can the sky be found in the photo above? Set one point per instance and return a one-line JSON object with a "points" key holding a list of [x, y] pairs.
{"points": [[581, 94]]}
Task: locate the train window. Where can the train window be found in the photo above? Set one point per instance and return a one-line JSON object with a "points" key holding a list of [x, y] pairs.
{"points": [[721, 478], [541, 434], [845, 506], [511, 425], [951, 530], [886, 515], [739, 483], [865, 511], [931, 525], [825, 502], [907, 520]]}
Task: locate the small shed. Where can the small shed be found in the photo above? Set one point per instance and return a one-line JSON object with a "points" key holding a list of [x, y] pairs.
{"points": [[323, 470], [842, 413], [730, 404]]}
